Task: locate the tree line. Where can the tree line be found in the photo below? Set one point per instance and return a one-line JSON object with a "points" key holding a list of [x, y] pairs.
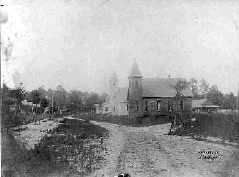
{"points": [[72, 102], [202, 89], [75, 101]]}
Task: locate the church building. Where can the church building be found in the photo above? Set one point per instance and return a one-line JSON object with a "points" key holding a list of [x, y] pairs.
{"points": [[145, 96]]}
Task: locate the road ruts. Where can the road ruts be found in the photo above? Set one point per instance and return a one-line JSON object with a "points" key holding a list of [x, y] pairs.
{"points": [[150, 152], [142, 155]]}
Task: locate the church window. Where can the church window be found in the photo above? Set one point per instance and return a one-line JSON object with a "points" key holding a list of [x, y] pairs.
{"points": [[113, 83], [158, 106], [106, 109], [170, 105], [136, 83], [114, 108], [146, 105], [181, 105], [127, 107], [137, 106]]}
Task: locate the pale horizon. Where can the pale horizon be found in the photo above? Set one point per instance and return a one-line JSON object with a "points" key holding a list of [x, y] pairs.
{"points": [[77, 44]]}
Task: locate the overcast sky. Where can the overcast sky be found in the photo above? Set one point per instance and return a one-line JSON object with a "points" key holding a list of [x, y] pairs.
{"points": [[77, 43]]}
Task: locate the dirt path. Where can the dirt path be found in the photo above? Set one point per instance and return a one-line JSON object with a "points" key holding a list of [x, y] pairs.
{"points": [[149, 151], [34, 132]]}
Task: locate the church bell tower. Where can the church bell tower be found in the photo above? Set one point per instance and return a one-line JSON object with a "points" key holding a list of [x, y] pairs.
{"points": [[113, 83], [135, 91]]}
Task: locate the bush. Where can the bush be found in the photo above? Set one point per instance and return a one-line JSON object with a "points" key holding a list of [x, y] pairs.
{"points": [[224, 126], [125, 120]]}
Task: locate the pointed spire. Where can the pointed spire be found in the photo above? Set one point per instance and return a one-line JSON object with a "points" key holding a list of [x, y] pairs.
{"points": [[113, 77], [135, 72]]}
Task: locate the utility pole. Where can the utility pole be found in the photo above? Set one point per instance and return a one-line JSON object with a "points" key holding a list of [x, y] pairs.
{"points": [[237, 101], [237, 65], [52, 104]]}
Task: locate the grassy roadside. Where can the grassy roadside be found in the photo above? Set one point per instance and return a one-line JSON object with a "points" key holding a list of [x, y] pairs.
{"points": [[222, 126], [232, 167], [125, 120], [74, 147]]}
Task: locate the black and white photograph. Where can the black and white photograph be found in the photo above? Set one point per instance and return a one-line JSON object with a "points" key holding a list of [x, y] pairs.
{"points": [[119, 88]]}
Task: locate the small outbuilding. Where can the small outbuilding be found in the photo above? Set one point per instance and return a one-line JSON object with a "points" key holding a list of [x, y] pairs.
{"points": [[204, 105]]}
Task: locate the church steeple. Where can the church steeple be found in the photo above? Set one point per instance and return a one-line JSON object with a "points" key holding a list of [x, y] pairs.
{"points": [[135, 72], [113, 92], [135, 91], [113, 77]]}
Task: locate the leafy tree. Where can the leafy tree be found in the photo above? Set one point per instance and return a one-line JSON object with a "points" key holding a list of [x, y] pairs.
{"points": [[42, 91], [229, 101], [60, 97], [74, 102], [103, 97], [35, 96], [43, 103], [215, 96], [5, 100], [193, 84], [12, 97], [203, 88], [91, 100], [18, 95], [180, 86]]}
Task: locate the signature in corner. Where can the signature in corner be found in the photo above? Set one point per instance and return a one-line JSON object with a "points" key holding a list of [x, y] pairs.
{"points": [[208, 155]]}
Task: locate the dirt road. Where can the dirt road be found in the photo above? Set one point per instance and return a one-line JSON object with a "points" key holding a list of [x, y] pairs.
{"points": [[149, 151]]}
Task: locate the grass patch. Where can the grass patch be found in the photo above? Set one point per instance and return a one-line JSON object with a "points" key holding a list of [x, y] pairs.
{"points": [[74, 147], [125, 120], [218, 125]]}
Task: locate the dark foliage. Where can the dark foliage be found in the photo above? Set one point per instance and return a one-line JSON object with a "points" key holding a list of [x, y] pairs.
{"points": [[125, 120], [74, 148], [224, 126]]}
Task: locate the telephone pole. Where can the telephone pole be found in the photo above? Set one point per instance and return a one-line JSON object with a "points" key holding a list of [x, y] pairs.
{"points": [[237, 65], [52, 104], [238, 99]]}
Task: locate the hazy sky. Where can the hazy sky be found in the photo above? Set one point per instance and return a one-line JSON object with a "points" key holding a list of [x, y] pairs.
{"points": [[77, 43]]}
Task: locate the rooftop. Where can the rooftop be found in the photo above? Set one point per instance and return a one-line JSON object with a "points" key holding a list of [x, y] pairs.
{"points": [[135, 72], [161, 87]]}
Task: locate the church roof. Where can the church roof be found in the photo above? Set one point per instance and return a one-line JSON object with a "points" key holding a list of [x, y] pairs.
{"points": [[113, 77], [161, 87], [122, 94], [135, 72]]}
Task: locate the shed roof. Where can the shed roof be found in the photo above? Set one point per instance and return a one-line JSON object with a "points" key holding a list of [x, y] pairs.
{"points": [[202, 103]]}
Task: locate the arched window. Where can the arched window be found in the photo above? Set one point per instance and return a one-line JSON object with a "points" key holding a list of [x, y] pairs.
{"points": [[170, 105], [136, 106], [181, 105], [146, 106], [158, 106]]}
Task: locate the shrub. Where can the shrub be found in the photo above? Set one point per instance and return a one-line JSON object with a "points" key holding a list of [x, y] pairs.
{"points": [[125, 120], [224, 126]]}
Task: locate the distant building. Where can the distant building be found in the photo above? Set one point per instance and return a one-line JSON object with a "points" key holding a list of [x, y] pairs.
{"points": [[145, 96], [203, 105]]}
